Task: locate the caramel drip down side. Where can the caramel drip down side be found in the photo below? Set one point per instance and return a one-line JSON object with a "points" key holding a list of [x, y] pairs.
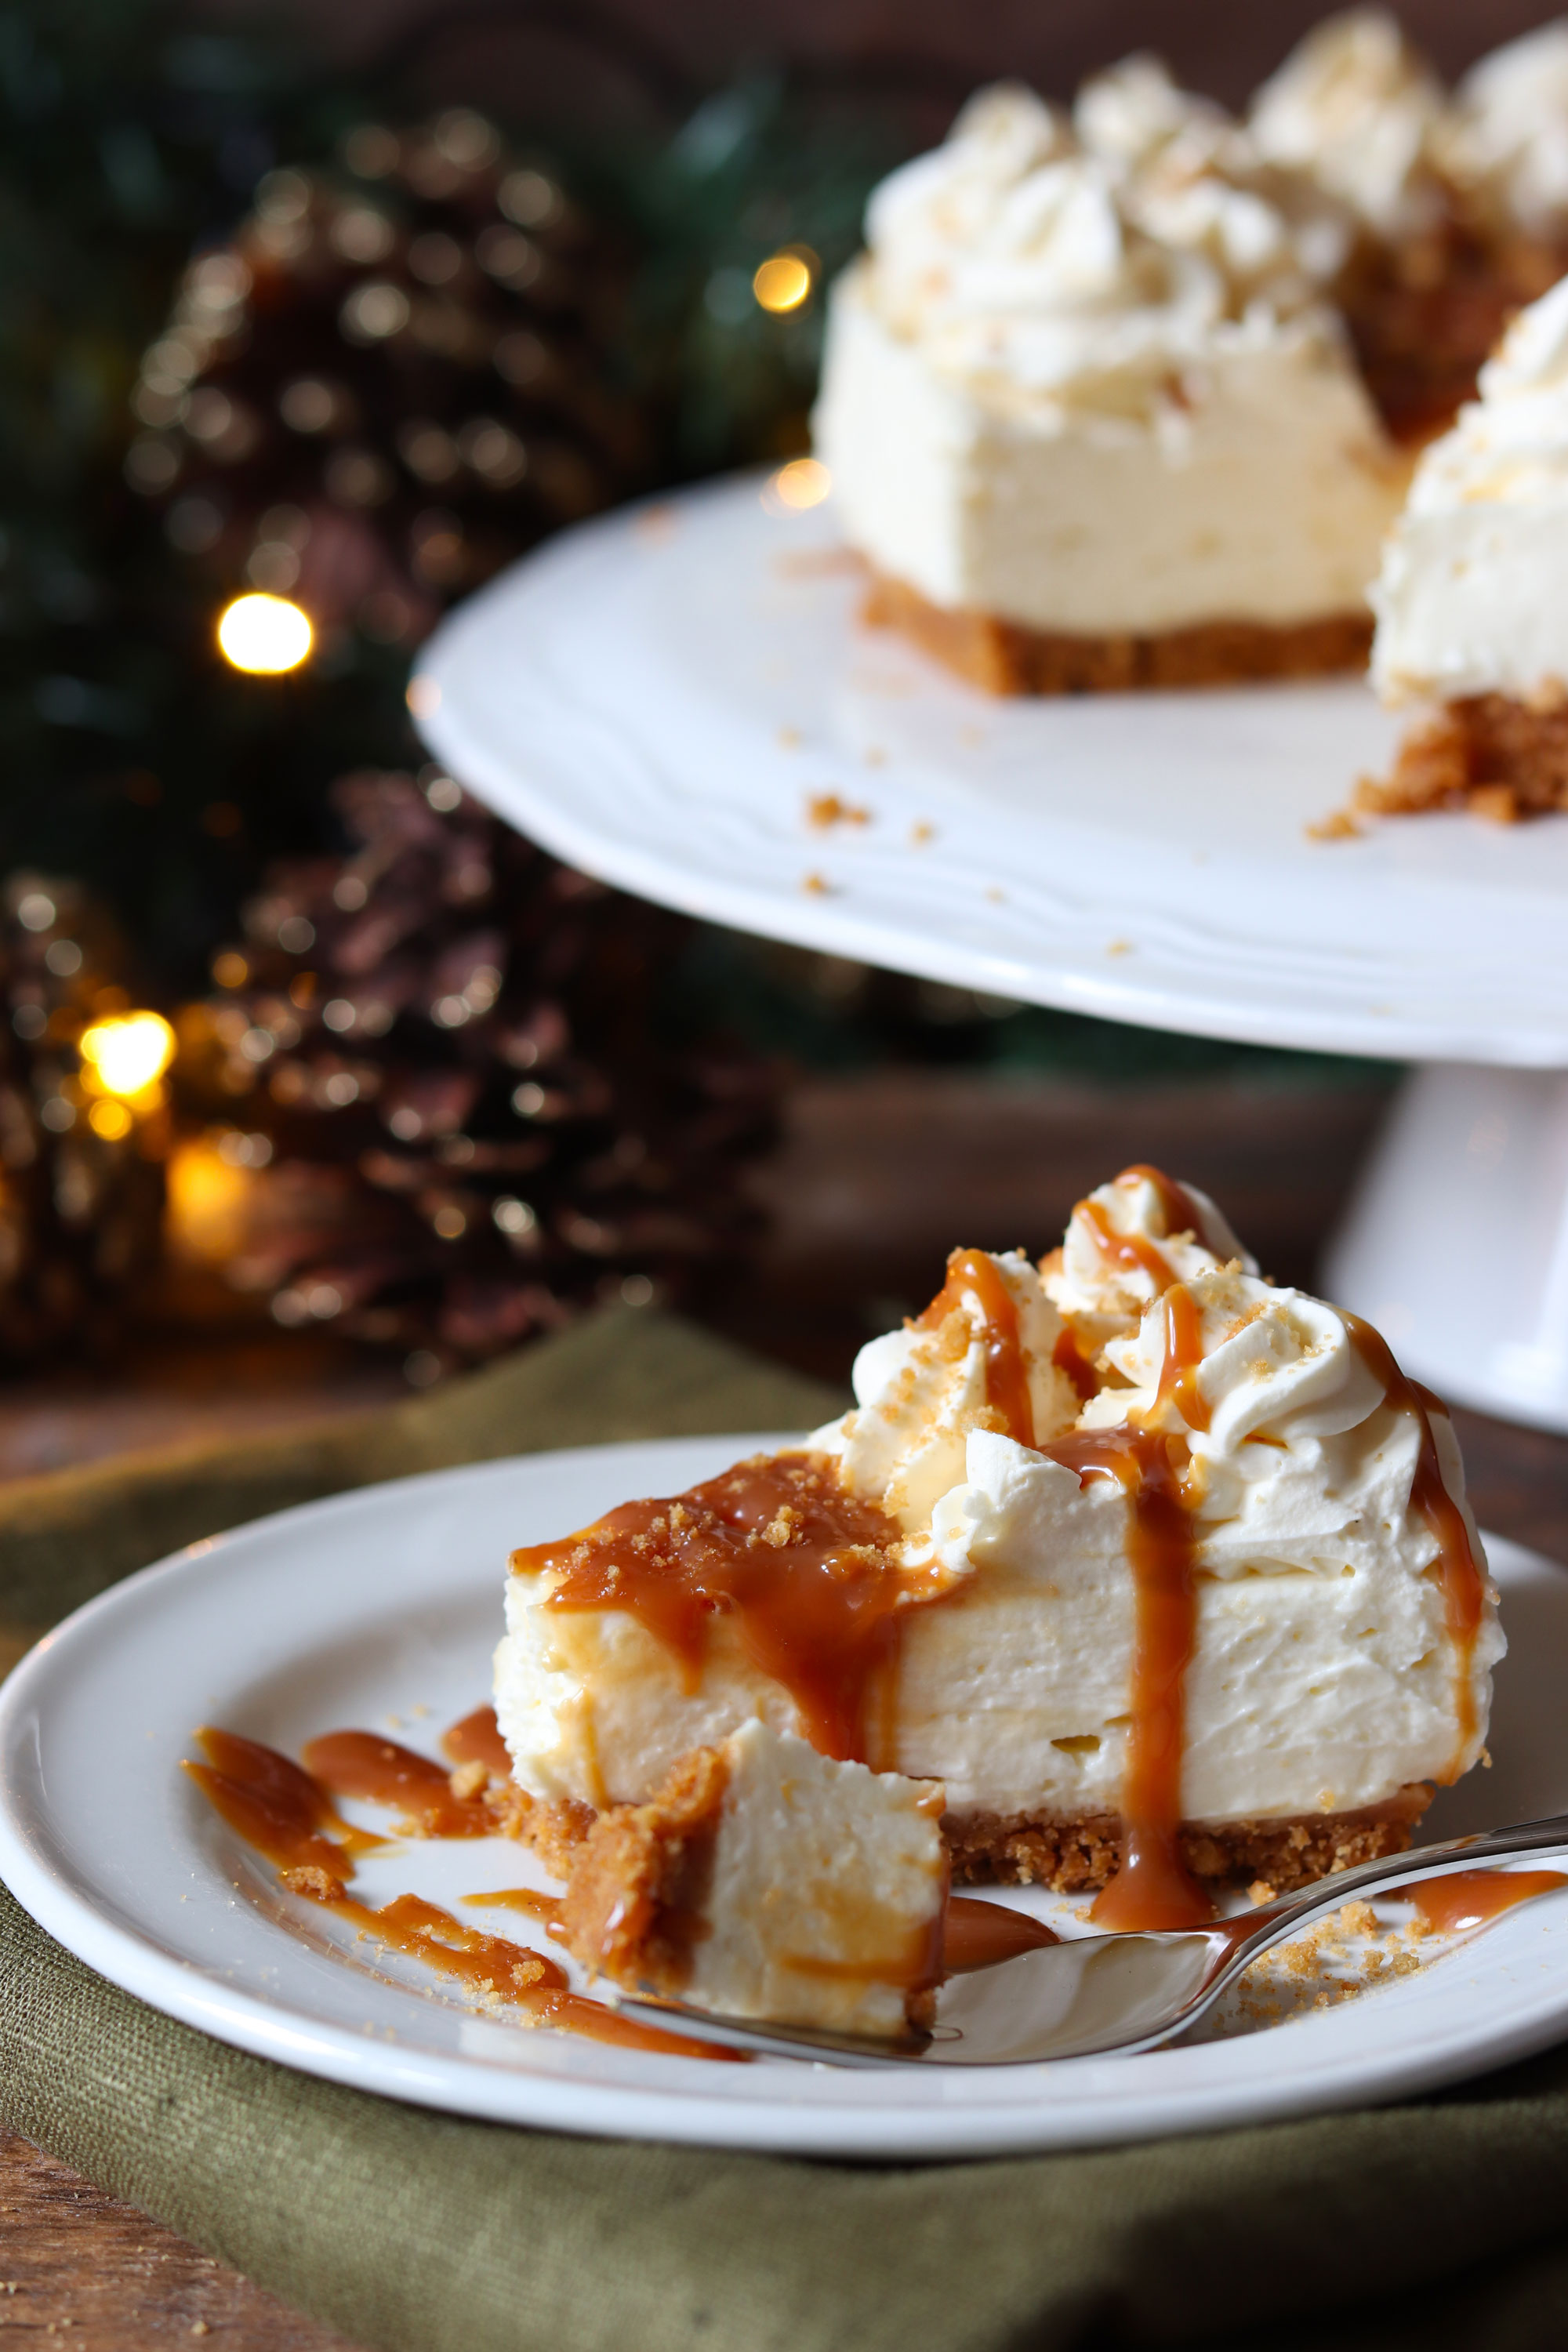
{"points": [[1183, 1355], [975, 1274], [1463, 1584], [808, 1574], [1153, 1886]]}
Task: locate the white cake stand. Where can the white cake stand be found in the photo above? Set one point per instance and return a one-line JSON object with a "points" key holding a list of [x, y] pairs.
{"points": [[679, 699]]}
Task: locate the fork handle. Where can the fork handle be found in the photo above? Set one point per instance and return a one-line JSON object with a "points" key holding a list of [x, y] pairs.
{"points": [[1276, 1919]]}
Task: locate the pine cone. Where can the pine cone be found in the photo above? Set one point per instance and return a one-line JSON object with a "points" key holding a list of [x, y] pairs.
{"points": [[391, 381], [81, 1180], [467, 1120]]}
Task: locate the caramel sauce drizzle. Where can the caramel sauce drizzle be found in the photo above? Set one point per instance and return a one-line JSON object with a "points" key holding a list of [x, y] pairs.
{"points": [[969, 1933], [1128, 1251], [477, 1739], [361, 1764], [977, 1935], [916, 1968], [806, 1572], [274, 1806], [1473, 1898], [1153, 1886], [1177, 1205], [1183, 1355], [1132, 1251], [283, 1812], [1464, 1586], [976, 1272], [535, 1902], [1069, 1358]]}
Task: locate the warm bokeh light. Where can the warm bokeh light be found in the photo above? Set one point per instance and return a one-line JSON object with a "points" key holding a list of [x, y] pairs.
{"points": [[128, 1054], [264, 634], [208, 1200], [783, 281], [803, 482], [111, 1118]]}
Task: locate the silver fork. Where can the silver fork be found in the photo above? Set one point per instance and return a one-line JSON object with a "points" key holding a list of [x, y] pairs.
{"points": [[1093, 1994]]}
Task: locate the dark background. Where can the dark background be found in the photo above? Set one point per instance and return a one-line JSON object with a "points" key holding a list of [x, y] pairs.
{"points": [[546, 53]]}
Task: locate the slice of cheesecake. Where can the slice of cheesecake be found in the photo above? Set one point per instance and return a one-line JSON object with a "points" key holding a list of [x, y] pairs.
{"points": [[763, 1879], [1166, 1574], [1472, 616]]}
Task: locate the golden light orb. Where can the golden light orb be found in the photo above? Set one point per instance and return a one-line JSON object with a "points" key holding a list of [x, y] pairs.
{"points": [[264, 634], [803, 482], [127, 1053], [783, 281], [111, 1118], [208, 1198]]}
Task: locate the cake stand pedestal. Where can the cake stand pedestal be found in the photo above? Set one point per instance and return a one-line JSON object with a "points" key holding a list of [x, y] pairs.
{"points": [[679, 698], [1455, 1244]]}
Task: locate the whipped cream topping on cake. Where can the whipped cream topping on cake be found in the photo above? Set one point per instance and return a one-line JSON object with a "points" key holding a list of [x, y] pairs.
{"points": [[919, 1391], [1010, 256], [1506, 144], [1192, 176], [1133, 111], [1169, 1547], [1355, 109], [928, 217], [1471, 599]]}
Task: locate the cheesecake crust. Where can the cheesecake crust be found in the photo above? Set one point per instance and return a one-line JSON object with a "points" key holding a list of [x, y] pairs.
{"points": [[1498, 757], [636, 1882], [1008, 657], [1078, 1856]]}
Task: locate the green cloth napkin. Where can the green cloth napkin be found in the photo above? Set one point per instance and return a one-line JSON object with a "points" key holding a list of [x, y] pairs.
{"points": [[1436, 2224]]}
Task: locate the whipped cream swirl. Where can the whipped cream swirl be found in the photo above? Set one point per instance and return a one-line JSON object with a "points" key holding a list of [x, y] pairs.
{"points": [[1126, 1243], [920, 1392], [1507, 143], [1355, 109], [1282, 1400], [1043, 270]]}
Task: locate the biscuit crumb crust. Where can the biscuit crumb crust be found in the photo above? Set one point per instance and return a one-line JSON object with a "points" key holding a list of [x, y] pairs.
{"points": [[1007, 657]]}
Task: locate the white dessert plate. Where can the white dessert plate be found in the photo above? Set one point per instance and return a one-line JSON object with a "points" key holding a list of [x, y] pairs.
{"points": [[379, 1609], [659, 695]]}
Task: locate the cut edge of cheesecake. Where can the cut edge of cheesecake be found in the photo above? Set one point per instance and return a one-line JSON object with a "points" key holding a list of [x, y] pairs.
{"points": [[1009, 657], [855, 1871]]}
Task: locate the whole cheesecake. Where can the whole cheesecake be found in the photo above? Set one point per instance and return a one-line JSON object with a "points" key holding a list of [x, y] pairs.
{"points": [[1164, 1574], [1129, 398]]}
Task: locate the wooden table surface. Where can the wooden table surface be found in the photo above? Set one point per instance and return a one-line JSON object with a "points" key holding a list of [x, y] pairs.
{"points": [[876, 1179]]}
